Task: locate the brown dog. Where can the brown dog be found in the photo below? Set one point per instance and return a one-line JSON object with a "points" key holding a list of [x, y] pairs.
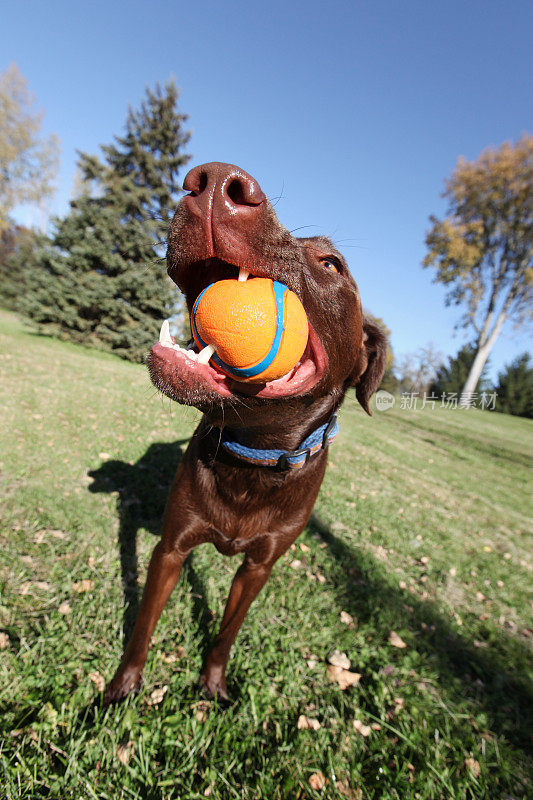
{"points": [[220, 495]]}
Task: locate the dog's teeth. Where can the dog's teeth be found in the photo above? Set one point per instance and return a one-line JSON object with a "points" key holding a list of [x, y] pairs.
{"points": [[243, 274], [164, 335], [205, 354]]}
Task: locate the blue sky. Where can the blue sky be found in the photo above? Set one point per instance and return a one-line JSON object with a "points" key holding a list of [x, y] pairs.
{"points": [[353, 112]]}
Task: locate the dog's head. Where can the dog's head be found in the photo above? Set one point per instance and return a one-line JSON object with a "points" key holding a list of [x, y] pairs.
{"points": [[226, 223]]}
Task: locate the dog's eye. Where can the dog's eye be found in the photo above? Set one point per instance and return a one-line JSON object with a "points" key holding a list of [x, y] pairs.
{"points": [[331, 263]]}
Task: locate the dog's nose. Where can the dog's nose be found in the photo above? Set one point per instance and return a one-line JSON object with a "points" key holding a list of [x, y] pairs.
{"points": [[222, 189]]}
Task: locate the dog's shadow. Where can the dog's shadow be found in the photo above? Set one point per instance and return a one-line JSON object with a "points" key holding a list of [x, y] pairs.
{"points": [[142, 489]]}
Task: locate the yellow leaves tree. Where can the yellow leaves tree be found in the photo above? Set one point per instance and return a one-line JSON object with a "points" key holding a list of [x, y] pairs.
{"points": [[28, 162], [483, 250]]}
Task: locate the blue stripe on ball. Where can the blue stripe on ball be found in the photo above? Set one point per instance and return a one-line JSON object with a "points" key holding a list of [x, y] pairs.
{"points": [[250, 372]]}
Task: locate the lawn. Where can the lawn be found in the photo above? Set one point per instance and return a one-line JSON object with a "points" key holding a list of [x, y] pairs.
{"points": [[415, 565]]}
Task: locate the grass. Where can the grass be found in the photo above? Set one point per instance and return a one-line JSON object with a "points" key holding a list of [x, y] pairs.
{"points": [[421, 528]]}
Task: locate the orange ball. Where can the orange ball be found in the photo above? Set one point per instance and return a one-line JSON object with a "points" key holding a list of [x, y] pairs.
{"points": [[258, 328]]}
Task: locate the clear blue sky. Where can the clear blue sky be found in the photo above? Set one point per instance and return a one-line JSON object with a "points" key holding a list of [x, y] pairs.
{"points": [[354, 112]]}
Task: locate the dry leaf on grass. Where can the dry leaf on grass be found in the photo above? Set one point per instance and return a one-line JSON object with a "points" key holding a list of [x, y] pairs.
{"points": [[124, 752], [359, 727], [171, 658], [307, 723], [473, 766], [157, 695], [343, 788], [343, 677], [338, 659], [317, 781], [347, 619], [395, 640], [26, 588], [4, 641], [83, 586], [296, 564], [64, 607], [304, 547], [98, 680]]}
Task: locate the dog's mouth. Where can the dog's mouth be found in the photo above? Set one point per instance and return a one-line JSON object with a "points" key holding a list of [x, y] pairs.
{"points": [[190, 369]]}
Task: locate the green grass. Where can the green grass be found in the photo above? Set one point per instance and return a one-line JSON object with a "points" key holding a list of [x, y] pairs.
{"points": [[421, 528]]}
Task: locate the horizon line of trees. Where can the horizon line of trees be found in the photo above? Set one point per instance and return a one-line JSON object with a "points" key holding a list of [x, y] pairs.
{"points": [[99, 278]]}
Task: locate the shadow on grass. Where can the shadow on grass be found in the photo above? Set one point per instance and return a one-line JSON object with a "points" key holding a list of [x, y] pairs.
{"points": [[486, 678], [142, 493]]}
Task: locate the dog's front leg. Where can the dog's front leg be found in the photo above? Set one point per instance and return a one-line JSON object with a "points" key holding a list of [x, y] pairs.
{"points": [[163, 573], [247, 583]]}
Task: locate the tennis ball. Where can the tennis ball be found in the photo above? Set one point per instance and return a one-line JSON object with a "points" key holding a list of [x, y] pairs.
{"points": [[258, 328]]}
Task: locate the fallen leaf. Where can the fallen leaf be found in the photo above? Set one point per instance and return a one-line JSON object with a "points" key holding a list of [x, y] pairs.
{"points": [[343, 677], [124, 752], [317, 781], [171, 658], [296, 564], [338, 659], [4, 641], [103, 456], [83, 586], [304, 548], [346, 618], [320, 578], [473, 766], [64, 607], [26, 588], [157, 695], [98, 680], [364, 730], [376, 726], [395, 640], [307, 723]]}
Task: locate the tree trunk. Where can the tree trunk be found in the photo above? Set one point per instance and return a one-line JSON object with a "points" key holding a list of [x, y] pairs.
{"points": [[485, 345]]}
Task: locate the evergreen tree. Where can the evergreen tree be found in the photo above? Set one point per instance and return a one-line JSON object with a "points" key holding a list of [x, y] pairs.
{"points": [[102, 282], [18, 247], [515, 388], [452, 378]]}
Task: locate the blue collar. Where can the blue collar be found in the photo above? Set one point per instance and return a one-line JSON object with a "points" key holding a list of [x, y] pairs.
{"points": [[283, 460]]}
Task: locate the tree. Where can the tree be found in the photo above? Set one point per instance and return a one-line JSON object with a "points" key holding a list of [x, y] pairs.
{"points": [[100, 281], [515, 388], [18, 246], [28, 162], [452, 377], [417, 370], [483, 250]]}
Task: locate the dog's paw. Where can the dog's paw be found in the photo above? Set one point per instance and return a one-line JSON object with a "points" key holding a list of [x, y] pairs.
{"points": [[121, 686], [215, 688]]}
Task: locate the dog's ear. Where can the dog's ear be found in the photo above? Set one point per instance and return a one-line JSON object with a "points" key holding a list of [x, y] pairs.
{"points": [[371, 364]]}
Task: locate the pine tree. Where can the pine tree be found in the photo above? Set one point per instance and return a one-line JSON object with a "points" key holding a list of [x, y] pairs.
{"points": [[515, 388], [18, 247], [102, 280], [451, 378]]}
